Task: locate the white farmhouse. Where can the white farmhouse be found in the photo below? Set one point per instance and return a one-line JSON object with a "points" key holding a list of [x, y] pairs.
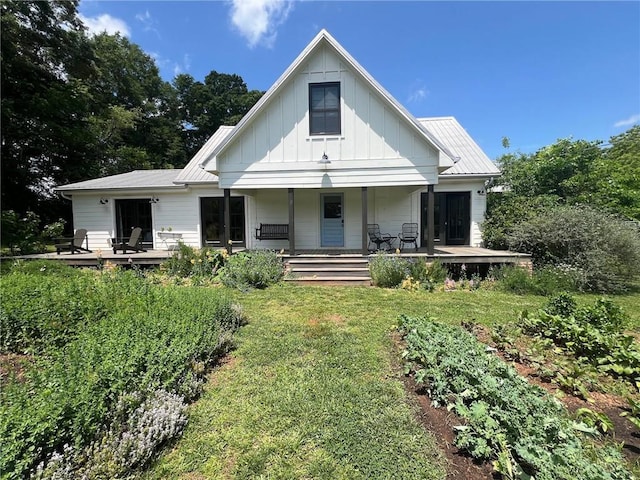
{"points": [[325, 152]]}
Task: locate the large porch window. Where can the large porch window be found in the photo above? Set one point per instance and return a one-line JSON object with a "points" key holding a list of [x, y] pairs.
{"points": [[212, 221], [132, 213], [452, 219]]}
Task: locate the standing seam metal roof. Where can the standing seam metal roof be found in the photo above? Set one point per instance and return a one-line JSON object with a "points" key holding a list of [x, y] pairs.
{"points": [[137, 179], [473, 161]]}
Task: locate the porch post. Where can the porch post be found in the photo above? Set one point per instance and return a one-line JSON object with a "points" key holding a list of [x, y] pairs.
{"points": [[365, 217], [292, 228], [430, 219], [227, 220]]}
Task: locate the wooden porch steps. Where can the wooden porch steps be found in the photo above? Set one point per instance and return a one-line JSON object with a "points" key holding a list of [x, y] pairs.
{"points": [[328, 270]]}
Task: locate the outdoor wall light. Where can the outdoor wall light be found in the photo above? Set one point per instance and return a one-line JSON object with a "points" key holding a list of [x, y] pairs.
{"points": [[325, 159], [104, 201], [482, 192], [154, 200]]}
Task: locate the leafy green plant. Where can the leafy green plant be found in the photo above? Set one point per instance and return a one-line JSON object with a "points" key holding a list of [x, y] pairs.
{"points": [[388, 271], [150, 338], [633, 412], [252, 269], [188, 261], [592, 334], [598, 421], [21, 234], [525, 431]]}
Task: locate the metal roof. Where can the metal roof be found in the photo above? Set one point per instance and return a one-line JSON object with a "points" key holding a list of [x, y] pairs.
{"points": [[137, 179], [193, 172], [473, 161], [324, 37]]}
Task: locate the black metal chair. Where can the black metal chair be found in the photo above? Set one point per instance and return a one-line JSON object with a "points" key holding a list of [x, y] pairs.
{"points": [[373, 229], [409, 234]]}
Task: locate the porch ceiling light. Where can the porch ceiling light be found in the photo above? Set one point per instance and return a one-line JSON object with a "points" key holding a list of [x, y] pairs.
{"points": [[325, 159]]}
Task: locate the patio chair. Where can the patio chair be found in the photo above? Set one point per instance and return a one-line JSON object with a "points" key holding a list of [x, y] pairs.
{"points": [[73, 244], [409, 234], [373, 229], [134, 242]]}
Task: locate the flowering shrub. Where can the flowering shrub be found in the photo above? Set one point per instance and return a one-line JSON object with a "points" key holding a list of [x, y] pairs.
{"points": [[192, 262], [388, 271], [126, 445], [252, 269]]}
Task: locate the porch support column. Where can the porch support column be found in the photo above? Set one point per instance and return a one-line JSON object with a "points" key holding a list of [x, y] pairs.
{"points": [[365, 219], [430, 219], [227, 220], [292, 228]]}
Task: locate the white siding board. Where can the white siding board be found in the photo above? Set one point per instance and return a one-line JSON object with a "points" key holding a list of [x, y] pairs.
{"points": [[372, 131]]}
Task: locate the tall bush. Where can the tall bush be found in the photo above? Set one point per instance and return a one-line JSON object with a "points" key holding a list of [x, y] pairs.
{"points": [[604, 248]]}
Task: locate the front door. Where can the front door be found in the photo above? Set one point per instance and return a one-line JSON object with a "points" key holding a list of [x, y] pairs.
{"points": [[332, 221]]}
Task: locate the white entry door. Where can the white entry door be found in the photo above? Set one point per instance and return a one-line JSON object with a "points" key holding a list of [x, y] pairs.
{"points": [[332, 221]]}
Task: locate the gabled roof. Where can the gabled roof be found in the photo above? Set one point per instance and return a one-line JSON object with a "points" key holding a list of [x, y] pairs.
{"points": [[193, 172], [324, 38], [138, 179], [473, 161]]}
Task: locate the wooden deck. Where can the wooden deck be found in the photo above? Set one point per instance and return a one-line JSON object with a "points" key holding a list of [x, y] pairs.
{"points": [[448, 255]]}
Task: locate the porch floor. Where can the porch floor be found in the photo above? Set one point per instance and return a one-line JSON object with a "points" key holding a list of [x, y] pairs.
{"points": [[446, 254]]}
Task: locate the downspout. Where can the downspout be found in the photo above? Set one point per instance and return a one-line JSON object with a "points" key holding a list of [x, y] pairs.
{"points": [[62, 194]]}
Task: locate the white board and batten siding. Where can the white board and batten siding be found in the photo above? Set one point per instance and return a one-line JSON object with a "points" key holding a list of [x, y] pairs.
{"points": [[478, 204], [175, 211], [376, 147]]}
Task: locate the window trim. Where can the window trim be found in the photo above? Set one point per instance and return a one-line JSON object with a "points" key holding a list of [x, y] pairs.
{"points": [[324, 111]]}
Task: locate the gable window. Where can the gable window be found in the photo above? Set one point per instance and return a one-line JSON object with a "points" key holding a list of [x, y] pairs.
{"points": [[324, 108]]}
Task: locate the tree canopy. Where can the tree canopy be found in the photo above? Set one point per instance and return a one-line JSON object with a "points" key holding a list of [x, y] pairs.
{"points": [[76, 106], [568, 172]]}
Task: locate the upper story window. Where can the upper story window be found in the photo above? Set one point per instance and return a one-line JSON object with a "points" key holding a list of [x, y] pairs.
{"points": [[324, 108]]}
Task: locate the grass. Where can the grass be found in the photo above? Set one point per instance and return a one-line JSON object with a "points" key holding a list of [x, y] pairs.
{"points": [[314, 388]]}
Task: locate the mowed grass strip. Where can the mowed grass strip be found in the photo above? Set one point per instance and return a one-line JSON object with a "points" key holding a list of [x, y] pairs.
{"points": [[314, 388]]}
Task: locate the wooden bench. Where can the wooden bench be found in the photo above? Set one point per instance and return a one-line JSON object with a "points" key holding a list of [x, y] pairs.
{"points": [[273, 231]]}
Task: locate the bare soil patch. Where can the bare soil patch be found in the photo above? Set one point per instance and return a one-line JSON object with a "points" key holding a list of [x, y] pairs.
{"points": [[13, 365]]}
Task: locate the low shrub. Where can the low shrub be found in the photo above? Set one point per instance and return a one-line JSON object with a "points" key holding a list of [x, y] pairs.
{"points": [[44, 311], [151, 338], [604, 250], [526, 432], [388, 271], [252, 269], [131, 441], [187, 261], [545, 280]]}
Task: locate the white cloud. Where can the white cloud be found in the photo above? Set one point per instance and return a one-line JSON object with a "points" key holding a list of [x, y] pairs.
{"points": [[105, 23], [148, 22], [418, 92], [632, 120], [257, 20], [184, 66]]}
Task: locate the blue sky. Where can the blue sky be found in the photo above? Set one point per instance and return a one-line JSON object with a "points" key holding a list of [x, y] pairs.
{"points": [[530, 71]]}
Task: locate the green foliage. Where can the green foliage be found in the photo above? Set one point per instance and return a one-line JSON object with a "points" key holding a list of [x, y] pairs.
{"points": [[151, 338], [188, 261], [21, 234], [604, 250], [388, 271], [526, 431], [546, 280], [567, 172], [252, 269], [43, 312], [594, 335]]}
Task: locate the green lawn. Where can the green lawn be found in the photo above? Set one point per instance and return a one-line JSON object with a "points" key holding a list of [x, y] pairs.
{"points": [[314, 389]]}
